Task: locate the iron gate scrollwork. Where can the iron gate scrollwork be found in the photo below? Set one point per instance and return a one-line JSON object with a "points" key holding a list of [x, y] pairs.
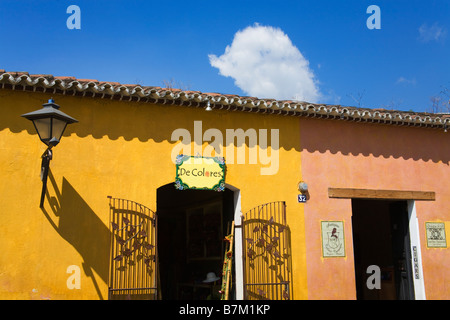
{"points": [[267, 253], [133, 260]]}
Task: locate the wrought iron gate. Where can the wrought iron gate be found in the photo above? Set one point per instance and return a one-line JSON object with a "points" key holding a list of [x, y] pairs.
{"points": [[267, 253], [134, 260]]}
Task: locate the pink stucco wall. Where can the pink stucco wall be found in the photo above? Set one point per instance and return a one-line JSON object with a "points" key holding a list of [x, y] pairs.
{"points": [[369, 156]]}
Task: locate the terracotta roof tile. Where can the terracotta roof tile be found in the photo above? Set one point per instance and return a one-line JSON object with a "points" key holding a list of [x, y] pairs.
{"points": [[88, 80], [155, 94], [66, 78]]}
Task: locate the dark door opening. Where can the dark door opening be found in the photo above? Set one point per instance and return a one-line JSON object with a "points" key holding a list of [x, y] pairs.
{"points": [[381, 238], [192, 225]]}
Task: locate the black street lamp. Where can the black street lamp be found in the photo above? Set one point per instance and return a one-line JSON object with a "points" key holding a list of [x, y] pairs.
{"points": [[50, 124]]}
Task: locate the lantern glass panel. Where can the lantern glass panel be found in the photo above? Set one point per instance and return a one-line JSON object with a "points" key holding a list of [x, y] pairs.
{"points": [[43, 127], [58, 127]]}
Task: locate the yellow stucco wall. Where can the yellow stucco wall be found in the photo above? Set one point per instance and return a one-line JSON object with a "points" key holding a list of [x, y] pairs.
{"points": [[120, 149]]}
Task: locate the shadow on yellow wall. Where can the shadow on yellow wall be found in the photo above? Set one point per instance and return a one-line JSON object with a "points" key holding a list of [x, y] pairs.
{"points": [[79, 225], [143, 121]]}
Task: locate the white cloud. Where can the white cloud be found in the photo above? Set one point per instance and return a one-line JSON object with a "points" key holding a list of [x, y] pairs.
{"points": [[432, 33], [403, 80], [265, 64]]}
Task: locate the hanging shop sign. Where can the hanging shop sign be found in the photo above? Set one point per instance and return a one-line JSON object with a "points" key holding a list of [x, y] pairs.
{"points": [[333, 244], [201, 173], [436, 235]]}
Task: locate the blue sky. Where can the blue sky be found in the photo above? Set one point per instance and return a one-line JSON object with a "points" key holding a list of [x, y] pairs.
{"points": [[399, 66]]}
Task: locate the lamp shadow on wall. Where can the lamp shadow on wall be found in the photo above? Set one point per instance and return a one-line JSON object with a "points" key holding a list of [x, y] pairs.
{"points": [[78, 224]]}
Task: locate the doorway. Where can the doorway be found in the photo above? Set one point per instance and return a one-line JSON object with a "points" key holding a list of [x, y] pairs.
{"points": [[192, 225], [381, 238]]}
